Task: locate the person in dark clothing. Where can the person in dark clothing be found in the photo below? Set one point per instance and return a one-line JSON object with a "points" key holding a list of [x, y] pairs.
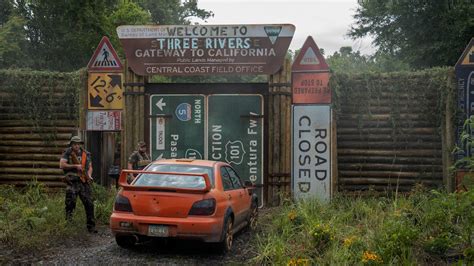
{"points": [[77, 165], [139, 158]]}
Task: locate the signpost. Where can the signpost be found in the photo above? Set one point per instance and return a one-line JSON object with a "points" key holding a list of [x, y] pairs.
{"points": [[181, 50], [311, 120], [105, 91], [104, 121], [235, 134], [311, 144], [177, 126]]}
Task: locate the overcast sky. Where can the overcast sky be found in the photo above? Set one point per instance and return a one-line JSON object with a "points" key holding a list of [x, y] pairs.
{"points": [[327, 21]]}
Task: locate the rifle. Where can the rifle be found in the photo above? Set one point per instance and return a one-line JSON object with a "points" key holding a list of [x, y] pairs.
{"points": [[83, 174]]}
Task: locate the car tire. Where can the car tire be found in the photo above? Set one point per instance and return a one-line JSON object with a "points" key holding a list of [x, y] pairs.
{"points": [[253, 217], [127, 242], [227, 237]]}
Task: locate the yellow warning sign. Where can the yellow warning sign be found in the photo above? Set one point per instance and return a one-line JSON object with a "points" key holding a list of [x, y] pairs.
{"points": [[469, 58], [105, 91]]}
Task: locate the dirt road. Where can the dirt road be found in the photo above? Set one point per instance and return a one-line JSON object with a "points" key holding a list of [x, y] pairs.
{"points": [[101, 249]]}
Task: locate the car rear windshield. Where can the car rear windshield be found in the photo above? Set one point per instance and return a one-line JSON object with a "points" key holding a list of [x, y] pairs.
{"points": [[176, 181]]}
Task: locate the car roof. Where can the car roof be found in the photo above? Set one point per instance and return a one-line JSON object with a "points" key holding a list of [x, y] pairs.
{"points": [[183, 161]]}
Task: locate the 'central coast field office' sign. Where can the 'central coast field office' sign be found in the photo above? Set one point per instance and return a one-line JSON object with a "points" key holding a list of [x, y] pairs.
{"points": [[205, 49]]}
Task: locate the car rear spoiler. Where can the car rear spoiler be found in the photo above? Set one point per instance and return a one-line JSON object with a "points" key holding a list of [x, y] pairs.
{"points": [[123, 182]]}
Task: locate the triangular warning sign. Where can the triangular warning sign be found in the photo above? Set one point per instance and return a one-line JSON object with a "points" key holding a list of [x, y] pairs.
{"points": [[105, 58], [467, 57], [310, 58]]}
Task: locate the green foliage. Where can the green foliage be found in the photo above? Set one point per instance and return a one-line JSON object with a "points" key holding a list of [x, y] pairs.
{"points": [[421, 33], [174, 12], [360, 90], [62, 36], [425, 227], [350, 62], [33, 218], [34, 95], [13, 44], [467, 143]]}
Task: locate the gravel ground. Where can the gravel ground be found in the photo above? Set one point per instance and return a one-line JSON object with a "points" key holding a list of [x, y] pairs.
{"points": [[101, 249]]}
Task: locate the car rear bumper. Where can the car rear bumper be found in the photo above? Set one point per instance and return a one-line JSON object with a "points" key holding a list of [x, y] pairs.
{"points": [[208, 229]]}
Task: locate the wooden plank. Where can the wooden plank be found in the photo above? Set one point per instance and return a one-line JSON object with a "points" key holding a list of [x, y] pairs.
{"points": [[390, 159], [46, 150], [403, 153], [6, 176], [386, 130], [22, 183], [381, 166], [17, 163], [35, 136], [29, 129], [21, 123], [344, 144], [390, 137], [29, 156], [34, 143], [31, 170], [387, 124], [393, 174], [386, 181]]}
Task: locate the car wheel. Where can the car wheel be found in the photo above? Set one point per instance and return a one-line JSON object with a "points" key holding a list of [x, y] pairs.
{"points": [[228, 237], [127, 242], [253, 217]]}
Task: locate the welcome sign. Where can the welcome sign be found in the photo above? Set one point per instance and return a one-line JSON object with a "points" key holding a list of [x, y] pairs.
{"points": [[181, 50]]}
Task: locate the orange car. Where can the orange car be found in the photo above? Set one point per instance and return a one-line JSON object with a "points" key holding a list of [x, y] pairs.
{"points": [[183, 198]]}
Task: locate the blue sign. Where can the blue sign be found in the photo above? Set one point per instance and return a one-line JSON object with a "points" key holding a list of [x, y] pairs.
{"points": [[465, 88]]}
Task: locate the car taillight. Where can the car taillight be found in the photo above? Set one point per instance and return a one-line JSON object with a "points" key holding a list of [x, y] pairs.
{"points": [[122, 204], [203, 207]]}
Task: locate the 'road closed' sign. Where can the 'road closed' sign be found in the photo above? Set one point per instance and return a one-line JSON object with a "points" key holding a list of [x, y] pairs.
{"points": [[311, 144]]}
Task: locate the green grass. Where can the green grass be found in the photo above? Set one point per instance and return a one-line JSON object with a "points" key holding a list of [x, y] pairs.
{"points": [[33, 218], [425, 227]]}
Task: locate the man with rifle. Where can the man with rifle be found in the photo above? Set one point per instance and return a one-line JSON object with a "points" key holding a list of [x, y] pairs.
{"points": [[77, 165]]}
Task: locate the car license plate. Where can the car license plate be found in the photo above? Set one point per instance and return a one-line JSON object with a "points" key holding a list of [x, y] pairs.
{"points": [[158, 230]]}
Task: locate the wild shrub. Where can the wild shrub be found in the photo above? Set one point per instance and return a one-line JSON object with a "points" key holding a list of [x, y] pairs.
{"points": [[33, 218], [424, 227]]}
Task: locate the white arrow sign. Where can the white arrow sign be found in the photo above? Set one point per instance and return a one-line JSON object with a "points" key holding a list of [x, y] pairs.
{"points": [[160, 104]]}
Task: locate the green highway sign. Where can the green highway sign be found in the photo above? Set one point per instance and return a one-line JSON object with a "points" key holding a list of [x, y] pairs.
{"points": [[235, 134], [177, 126]]}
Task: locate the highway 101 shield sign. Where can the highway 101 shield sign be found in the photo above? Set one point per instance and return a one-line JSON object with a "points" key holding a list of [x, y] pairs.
{"points": [[311, 176]]}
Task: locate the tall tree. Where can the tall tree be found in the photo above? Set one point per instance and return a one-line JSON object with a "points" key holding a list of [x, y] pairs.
{"points": [[13, 44], [420, 32], [348, 61], [174, 12], [61, 34]]}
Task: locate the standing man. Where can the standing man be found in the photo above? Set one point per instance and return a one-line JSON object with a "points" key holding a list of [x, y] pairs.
{"points": [[77, 165], [139, 158]]}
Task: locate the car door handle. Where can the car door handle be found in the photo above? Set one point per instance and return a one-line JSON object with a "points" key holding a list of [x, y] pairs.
{"points": [[229, 196]]}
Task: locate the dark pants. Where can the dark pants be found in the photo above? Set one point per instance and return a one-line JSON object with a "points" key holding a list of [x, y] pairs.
{"points": [[76, 188]]}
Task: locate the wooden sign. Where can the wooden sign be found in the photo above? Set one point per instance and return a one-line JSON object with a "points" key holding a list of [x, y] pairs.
{"points": [[183, 50]]}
